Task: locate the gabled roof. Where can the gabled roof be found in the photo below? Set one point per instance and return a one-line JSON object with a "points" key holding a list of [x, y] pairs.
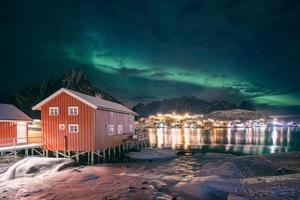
{"points": [[94, 102], [10, 112]]}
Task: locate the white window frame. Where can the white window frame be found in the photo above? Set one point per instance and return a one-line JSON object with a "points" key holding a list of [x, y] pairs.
{"points": [[53, 109], [120, 129], [130, 128], [109, 129], [61, 127], [71, 110], [73, 128]]}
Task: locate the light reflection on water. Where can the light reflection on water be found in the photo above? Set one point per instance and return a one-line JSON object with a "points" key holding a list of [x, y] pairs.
{"points": [[243, 141]]}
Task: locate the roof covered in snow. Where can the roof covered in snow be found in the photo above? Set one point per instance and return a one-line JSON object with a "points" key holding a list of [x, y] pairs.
{"points": [[11, 112], [94, 102]]}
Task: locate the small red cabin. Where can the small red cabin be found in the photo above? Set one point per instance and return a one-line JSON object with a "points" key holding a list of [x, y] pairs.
{"points": [[73, 121], [13, 125]]}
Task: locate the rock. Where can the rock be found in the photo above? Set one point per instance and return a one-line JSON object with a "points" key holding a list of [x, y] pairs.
{"points": [[32, 170], [89, 177], [130, 189], [33, 166], [152, 154]]}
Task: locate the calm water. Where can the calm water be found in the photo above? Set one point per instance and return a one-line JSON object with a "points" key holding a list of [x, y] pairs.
{"points": [[240, 141]]}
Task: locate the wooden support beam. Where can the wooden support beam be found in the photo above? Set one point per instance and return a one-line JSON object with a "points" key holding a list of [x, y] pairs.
{"points": [[104, 155], [77, 156], [92, 158]]}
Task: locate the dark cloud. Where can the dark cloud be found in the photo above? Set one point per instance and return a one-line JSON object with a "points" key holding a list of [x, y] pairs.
{"points": [[155, 49]]}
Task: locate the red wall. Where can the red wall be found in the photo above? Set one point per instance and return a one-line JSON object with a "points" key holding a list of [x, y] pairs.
{"points": [[104, 118], [7, 130], [54, 138]]}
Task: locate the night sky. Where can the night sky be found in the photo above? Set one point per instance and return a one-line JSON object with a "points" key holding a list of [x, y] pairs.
{"points": [[141, 51]]}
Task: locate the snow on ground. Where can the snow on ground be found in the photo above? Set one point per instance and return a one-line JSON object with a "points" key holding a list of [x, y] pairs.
{"points": [[198, 176], [33, 166]]}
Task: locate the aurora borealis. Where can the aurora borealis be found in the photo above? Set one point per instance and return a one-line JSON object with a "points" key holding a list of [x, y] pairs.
{"points": [[141, 51]]}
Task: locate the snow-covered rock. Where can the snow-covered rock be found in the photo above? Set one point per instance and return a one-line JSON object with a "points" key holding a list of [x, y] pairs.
{"points": [[152, 154], [33, 166]]}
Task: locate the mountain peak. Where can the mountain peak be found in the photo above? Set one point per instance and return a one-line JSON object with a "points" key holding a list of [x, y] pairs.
{"points": [[246, 105], [183, 104], [74, 79]]}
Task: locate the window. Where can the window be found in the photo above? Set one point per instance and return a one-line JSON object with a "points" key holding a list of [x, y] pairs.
{"points": [[61, 127], [120, 129], [110, 129], [130, 128], [73, 110], [131, 118], [73, 128], [53, 111], [111, 114]]}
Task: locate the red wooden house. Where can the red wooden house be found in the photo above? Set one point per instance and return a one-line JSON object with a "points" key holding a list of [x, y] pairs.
{"points": [[13, 125], [74, 121]]}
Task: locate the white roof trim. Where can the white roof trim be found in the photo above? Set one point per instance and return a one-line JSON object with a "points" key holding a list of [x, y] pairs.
{"points": [[14, 120], [38, 106]]}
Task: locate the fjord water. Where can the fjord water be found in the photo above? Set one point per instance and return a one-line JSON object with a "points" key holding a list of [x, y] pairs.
{"points": [[239, 141]]}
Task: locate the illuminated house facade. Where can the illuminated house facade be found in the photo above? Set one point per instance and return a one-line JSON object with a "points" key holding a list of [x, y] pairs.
{"points": [[13, 125], [73, 121]]}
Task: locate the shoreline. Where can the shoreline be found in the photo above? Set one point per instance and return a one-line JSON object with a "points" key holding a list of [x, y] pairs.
{"points": [[201, 175]]}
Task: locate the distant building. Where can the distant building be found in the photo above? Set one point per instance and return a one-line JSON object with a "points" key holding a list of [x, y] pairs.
{"points": [[13, 125], [73, 121]]}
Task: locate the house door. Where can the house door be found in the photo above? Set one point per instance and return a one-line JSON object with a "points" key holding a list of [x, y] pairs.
{"points": [[21, 132]]}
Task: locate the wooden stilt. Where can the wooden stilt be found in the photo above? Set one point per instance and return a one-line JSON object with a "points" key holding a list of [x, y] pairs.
{"points": [[92, 158], [104, 155], [77, 156]]}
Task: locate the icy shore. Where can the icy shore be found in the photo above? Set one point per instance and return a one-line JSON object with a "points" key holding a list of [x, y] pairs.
{"points": [[198, 176]]}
